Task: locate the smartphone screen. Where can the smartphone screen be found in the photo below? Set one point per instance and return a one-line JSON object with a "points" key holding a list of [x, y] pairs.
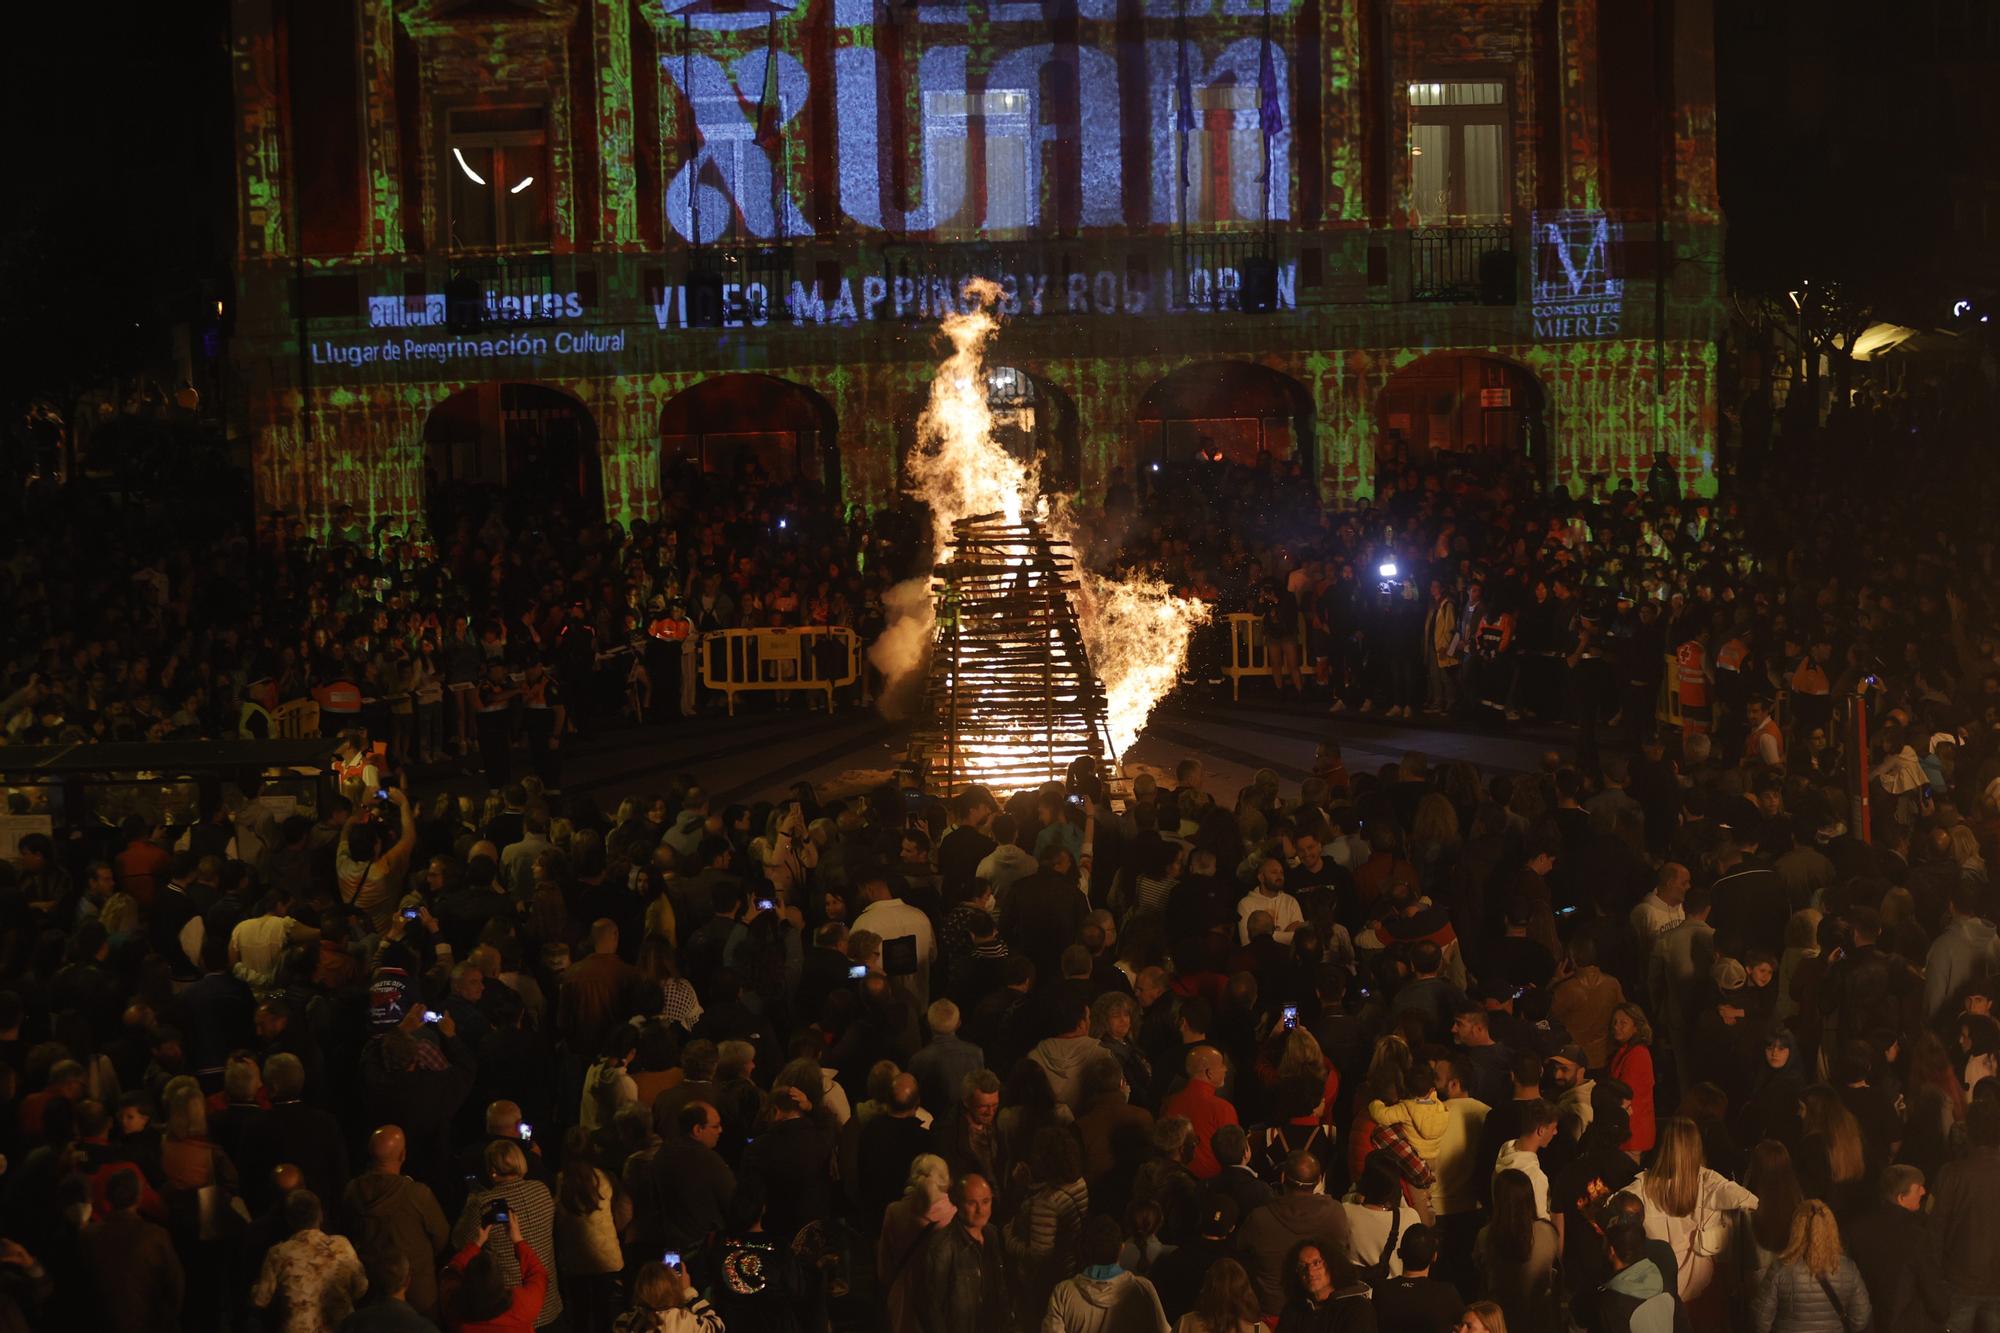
{"points": [[1291, 1015]]}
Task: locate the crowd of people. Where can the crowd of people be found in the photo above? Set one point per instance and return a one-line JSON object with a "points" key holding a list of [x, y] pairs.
{"points": [[1655, 1044], [1665, 1035]]}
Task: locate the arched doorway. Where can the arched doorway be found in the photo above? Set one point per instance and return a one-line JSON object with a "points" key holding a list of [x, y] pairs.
{"points": [[745, 425], [1234, 410], [534, 444], [1036, 423], [1467, 407]]}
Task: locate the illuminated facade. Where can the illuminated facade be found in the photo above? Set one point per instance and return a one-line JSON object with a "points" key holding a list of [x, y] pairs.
{"points": [[487, 239]]}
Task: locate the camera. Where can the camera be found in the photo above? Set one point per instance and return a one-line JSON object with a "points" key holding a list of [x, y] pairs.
{"points": [[672, 1258], [858, 971], [409, 914], [527, 1131], [1289, 1016], [494, 1214], [766, 904], [432, 1016]]}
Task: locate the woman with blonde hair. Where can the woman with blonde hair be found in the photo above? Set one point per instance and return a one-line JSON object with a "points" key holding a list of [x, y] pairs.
{"points": [[1631, 1063], [1965, 851], [1482, 1317], [664, 1301], [1434, 840], [1813, 1286], [1227, 1303], [907, 1225], [1833, 1164], [1695, 1210]]}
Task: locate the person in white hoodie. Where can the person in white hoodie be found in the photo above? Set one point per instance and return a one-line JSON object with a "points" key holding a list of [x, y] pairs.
{"points": [[1104, 1298], [1063, 1059], [1523, 1152], [1007, 862]]}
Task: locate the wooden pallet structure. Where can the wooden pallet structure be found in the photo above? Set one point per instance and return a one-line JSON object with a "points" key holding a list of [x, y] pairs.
{"points": [[1011, 699]]}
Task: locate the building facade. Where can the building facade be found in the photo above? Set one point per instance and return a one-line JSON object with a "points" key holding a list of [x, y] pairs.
{"points": [[567, 242]]}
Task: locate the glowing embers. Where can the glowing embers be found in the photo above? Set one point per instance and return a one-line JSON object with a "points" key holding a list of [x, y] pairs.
{"points": [[1011, 698]]}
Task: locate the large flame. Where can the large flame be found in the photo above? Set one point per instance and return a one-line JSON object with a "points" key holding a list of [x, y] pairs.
{"points": [[1135, 630], [957, 468]]}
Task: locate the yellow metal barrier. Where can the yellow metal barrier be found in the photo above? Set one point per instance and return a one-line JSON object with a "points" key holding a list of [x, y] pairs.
{"points": [[735, 661], [299, 718], [1246, 650]]}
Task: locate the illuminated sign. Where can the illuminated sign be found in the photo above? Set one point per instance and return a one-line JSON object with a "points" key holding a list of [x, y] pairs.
{"points": [[879, 296], [446, 351], [417, 312], [1575, 288]]}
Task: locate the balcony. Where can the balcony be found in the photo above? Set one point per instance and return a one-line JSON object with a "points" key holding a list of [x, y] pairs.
{"points": [[503, 292], [1468, 265]]}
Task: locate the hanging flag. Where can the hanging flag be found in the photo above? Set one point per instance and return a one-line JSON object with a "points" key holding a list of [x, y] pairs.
{"points": [[1270, 109], [1183, 93], [770, 114]]}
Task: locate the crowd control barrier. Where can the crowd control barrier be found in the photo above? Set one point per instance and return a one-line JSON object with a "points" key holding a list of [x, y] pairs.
{"points": [[821, 658]]}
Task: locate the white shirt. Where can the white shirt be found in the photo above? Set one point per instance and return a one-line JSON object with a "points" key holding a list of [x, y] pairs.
{"points": [[893, 919], [1368, 1232], [1284, 910], [1654, 917], [1529, 1164], [260, 946]]}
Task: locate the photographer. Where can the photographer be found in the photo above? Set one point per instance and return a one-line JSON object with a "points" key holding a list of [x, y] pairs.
{"points": [[526, 1210]]}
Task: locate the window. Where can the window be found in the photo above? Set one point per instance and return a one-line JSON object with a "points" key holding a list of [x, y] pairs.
{"points": [[497, 178], [1458, 152], [1225, 155], [984, 140]]}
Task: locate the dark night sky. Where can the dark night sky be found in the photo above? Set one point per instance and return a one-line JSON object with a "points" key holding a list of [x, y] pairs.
{"points": [[118, 191]]}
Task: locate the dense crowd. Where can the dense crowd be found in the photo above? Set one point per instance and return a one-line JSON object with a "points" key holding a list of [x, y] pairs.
{"points": [[1623, 1044], [1652, 1045]]}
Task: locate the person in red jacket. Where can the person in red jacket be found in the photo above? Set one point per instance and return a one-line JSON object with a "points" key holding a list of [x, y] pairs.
{"points": [[1201, 1101], [485, 1304]]}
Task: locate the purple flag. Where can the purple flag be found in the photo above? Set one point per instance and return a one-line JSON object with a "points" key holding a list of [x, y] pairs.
{"points": [[1270, 111]]}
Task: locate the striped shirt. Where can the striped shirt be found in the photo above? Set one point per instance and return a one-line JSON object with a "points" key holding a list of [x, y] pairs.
{"points": [[534, 1208]]}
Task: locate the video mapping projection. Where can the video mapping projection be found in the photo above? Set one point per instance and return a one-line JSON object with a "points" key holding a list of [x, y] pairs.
{"points": [[1575, 289], [983, 117]]}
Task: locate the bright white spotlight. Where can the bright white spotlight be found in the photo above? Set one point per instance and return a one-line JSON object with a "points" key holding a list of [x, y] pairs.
{"points": [[1388, 569], [526, 181], [466, 167]]}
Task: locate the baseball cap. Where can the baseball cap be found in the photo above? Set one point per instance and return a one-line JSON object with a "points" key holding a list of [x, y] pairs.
{"points": [[1570, 1055]]}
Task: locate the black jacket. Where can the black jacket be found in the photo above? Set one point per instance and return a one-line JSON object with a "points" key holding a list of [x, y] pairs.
{"points": [[785, 1167], [1897, 1253], [303, 1135], [680, 1196]]}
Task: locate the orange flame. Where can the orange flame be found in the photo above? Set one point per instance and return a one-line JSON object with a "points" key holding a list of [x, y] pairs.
{"points": [[1135, 630]]}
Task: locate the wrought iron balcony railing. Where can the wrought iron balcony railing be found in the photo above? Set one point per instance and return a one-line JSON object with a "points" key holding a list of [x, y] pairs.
{"points": [[1464, 264]]}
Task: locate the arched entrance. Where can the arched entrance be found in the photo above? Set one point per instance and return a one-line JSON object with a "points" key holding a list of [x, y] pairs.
{"points": [[1235, 410], [745, 425], [534, 444], [1465, 407], [1036, 423]]}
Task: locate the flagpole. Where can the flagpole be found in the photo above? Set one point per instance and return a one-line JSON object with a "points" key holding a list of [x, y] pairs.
{"points": [[1265, 88], [693, 139]]}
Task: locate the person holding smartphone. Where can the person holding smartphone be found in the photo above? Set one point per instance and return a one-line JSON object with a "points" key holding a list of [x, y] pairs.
{"points": [[490, 1300], [664, 1301]]}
